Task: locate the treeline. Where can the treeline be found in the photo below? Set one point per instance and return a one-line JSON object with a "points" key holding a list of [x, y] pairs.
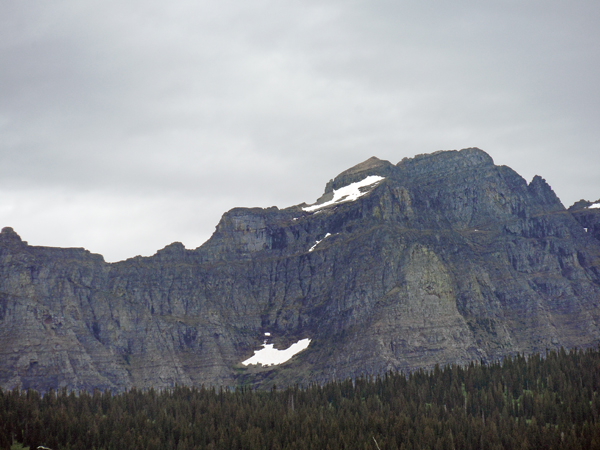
{"points": [[546, 401]]}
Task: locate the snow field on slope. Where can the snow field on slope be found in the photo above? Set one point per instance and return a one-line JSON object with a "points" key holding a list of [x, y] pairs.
{"points": [[348, 193], [269, 356]]}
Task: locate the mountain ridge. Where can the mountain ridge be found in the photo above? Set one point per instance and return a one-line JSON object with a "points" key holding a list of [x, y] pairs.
{"points": [[448, 259]]}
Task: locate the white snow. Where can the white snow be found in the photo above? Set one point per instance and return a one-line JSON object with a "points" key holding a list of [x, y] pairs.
{"points": [[267, 334], [347, 193], [269, 356], [318, 242], [585, 230], [595, 205]]}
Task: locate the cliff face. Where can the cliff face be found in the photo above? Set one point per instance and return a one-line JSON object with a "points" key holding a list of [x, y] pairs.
{"points": [[447, 258]]}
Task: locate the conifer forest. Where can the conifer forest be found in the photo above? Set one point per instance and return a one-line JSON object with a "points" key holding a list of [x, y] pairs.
{"points": [[547, 401]]}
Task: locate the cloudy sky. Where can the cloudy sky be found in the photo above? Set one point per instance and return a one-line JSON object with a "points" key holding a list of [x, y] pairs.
{"points": [[127, 125]]}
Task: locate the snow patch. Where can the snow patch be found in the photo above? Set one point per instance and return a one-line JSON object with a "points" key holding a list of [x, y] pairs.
{"points": [[267, 334], [348, 193], [318, 242], [269, 356], [594, 206]]}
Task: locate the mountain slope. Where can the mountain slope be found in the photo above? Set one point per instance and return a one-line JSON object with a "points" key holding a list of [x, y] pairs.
{"points": [[441, 258]]}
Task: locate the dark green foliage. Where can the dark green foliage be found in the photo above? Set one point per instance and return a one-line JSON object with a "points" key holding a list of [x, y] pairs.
{"points": [[549, 402]]}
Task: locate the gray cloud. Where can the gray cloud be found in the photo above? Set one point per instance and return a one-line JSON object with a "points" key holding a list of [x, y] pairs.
{"points": [[128, 125]]}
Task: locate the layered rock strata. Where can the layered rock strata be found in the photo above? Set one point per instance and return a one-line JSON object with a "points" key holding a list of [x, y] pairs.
{"points": [[447, 259]]}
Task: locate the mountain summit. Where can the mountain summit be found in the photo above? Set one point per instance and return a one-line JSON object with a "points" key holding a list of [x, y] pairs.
{"points": [[442, 258]]}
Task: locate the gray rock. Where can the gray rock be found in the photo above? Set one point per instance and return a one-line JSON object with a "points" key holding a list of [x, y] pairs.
{"points": [[450, 259]]}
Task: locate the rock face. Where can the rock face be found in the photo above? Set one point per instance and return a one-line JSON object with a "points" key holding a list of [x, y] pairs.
{"points": [[448, 259], [588, 215]]}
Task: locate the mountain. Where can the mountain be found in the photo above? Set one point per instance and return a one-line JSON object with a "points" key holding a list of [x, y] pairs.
{"points": [[441, 258]]}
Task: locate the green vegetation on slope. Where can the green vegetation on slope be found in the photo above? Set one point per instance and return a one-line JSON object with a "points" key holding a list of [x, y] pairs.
{"points": [[549, 401]]}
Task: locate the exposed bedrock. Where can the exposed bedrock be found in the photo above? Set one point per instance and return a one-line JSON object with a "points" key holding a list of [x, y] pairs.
{"points": [[448, 259]]}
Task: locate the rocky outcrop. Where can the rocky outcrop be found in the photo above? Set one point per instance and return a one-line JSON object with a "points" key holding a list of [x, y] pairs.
{"points": [[588, 216], [448, 259]]}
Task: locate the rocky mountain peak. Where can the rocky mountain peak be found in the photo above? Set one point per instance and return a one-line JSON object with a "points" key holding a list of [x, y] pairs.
{"points": [[372, 166], [583, 204], [544, 193], [9, 238], [450, 259], [446, 160], [173, 251]]}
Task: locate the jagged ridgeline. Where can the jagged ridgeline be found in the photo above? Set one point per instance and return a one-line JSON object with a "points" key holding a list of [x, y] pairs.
{"points": [[442, 258]]}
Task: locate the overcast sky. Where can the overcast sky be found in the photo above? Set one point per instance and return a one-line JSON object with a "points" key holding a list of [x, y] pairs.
{"points": [[127, 125]]}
